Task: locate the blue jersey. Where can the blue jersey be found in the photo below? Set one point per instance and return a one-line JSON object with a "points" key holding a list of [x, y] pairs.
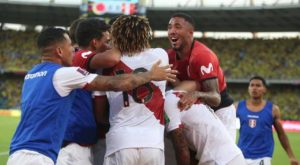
{"points": [[82, 128], [256, 137], [44, 113]]}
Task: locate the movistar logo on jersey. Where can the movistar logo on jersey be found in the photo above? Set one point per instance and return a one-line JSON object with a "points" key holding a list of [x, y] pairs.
{"points": [[36, 75], [206, 70]]}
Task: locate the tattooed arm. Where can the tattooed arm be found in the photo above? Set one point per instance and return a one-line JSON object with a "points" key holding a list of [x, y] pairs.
{"points": [[181, 148], [209, 94], [126, 82]]}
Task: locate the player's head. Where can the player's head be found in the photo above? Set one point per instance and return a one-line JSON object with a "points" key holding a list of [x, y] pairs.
{"points": [[73, 28], [131, 34], [55, 44], [180, 31], [93, 34], [257, 87]]}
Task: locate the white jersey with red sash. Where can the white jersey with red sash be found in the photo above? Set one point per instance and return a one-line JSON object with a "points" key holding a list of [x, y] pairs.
{"points": [[137, 116]]}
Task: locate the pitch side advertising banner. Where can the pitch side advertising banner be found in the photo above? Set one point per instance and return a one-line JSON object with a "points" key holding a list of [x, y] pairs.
{"points": [[291, 126]]}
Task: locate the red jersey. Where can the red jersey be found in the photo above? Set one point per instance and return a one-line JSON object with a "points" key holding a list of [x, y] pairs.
{"points": [[82, 59], [202, 64]]}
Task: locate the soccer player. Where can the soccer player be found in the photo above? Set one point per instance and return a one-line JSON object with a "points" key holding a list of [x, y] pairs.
{"points": [[257, 116], [204, 133], [48, 94], [136, 116], [195, 61], [81, 133]]}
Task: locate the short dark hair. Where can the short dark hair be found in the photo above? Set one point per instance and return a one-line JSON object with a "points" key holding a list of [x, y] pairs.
{"points": [[186, 17], [113, 19], [50, 36], [73, 28], [89, 29], [259, 78]]}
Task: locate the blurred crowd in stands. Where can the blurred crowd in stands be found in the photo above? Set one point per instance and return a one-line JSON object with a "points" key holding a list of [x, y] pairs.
{"points": [[18, 50], [243, 58], [239, 58], [10, 92]]}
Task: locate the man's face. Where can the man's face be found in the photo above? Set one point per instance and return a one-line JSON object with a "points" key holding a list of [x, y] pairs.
{"points": [[179, 33], [102, 44], [256, 88], [66, 51]]}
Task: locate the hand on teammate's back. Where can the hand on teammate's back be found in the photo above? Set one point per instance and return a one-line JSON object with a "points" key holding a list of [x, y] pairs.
{"points": [[163, 73], [186, 100]]}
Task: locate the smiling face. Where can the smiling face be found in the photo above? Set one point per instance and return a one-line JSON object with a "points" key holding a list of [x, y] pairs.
{"points": [[180, 33]]}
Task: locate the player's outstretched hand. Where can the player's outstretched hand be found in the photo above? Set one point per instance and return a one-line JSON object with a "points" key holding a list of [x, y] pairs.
{"points": [[159, 73]]}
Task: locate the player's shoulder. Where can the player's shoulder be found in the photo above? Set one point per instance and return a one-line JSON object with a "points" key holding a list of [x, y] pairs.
{"points": [[83, 54], [66, 69], [275, 107], [171, 52], [201, 49], [158, 50], [170, 95], [160, 53], [202, 55]]}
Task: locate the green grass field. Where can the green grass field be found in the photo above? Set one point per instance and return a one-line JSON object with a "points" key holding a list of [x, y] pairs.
{"points": [[8, 126]]}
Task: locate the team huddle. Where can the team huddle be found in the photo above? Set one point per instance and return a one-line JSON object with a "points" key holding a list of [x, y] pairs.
{"points": [[108, 102]]}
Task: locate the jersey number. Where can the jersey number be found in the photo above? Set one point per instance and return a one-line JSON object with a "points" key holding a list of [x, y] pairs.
{"points": [[135, 91]]}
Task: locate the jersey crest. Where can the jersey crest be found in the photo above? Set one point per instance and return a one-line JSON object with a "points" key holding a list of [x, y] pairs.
{"points": [[206, 70], [252, 123]]}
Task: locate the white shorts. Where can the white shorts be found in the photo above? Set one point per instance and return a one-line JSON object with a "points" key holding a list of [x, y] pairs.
{"points": [[259, 161], [228, 117], [136, 156], [204, 132], [99, 152], [27, 157], [74, 154]]}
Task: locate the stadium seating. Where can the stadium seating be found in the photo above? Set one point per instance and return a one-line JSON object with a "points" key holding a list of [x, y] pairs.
{"points": [[243, 58], [18, 50], [10, 92]]}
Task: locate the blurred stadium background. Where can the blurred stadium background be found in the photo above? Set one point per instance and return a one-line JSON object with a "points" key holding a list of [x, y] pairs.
{"points": [[250, 37]]}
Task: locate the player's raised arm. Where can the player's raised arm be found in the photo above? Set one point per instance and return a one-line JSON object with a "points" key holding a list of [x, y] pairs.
{"points": [[105, 59], [126, 82]]}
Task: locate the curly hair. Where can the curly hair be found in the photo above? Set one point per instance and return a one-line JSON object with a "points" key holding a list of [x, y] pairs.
{"points": [[131, 34]]}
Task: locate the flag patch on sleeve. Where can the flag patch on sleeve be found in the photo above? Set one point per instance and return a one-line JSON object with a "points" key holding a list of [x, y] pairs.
{"points": [[82, 71]]}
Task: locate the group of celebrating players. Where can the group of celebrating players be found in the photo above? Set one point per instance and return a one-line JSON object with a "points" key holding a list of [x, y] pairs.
{"points": [[107, 103]]}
